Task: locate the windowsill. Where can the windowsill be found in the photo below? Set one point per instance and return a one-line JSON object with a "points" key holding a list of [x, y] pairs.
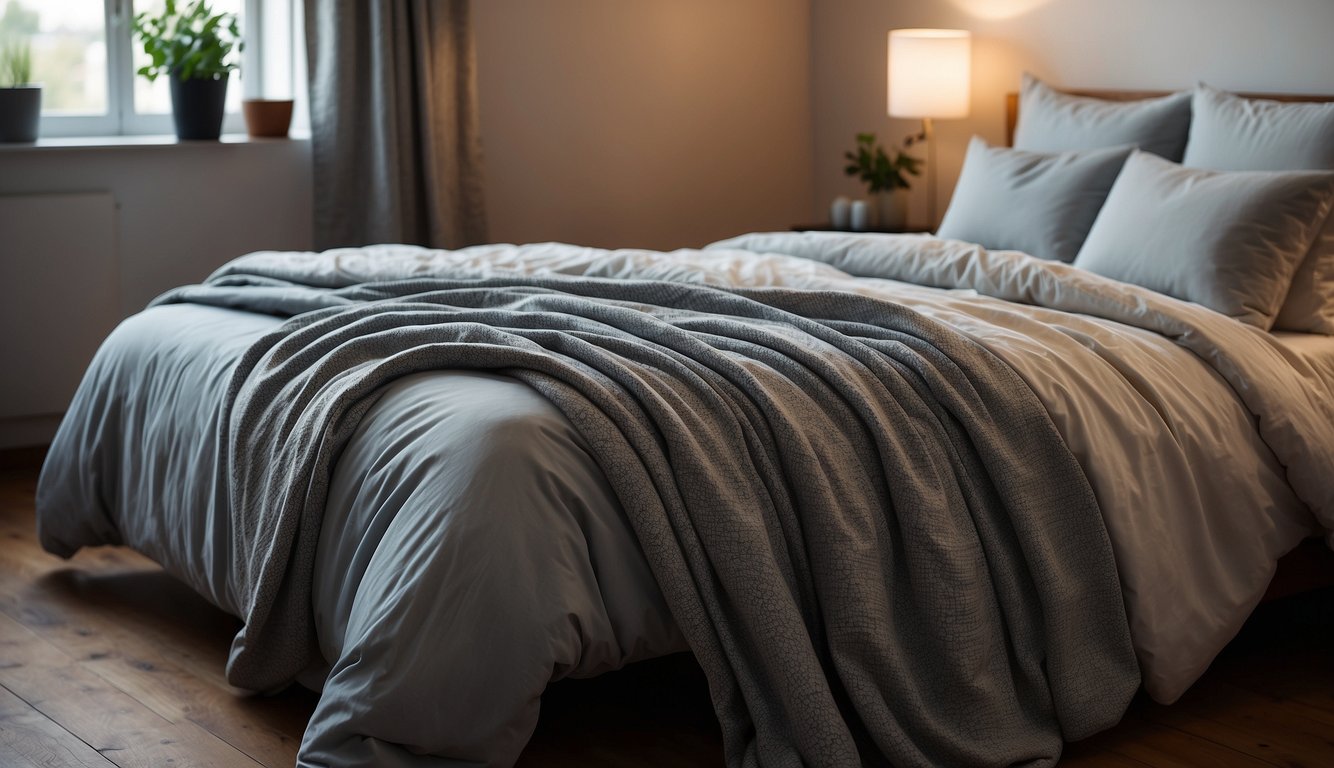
{"points": [[134, 142]]}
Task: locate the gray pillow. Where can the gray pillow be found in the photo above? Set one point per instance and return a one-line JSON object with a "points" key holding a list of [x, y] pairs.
{"points": [[1230, 133], [1229, 241], [1051, 121], [1038, 203]]}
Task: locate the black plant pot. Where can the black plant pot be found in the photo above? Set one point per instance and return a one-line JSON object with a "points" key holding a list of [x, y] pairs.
{"points": [[196, 107], [20, 112]]}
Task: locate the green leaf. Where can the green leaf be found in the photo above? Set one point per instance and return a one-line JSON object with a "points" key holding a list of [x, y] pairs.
{"points": [[188, 39], [881, 171]]}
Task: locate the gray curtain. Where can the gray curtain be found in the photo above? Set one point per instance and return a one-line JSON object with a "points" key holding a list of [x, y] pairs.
{"points": [[394, 124]]}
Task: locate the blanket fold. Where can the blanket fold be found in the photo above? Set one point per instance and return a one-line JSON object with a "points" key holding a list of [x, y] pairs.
{"points": [[867, 526]]}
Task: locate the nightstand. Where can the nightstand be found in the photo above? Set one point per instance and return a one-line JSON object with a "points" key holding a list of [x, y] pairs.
{"points": [[827, 227]]}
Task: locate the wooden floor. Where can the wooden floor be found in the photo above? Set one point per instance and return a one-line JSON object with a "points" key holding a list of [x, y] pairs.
{"points": [[105, 660]]}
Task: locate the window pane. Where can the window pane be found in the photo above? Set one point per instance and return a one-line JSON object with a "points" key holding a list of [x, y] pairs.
{"points": [[69, 51], [155, 98]]}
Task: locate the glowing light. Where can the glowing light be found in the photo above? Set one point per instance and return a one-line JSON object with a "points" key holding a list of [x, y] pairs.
{"points": [[999, 9], [929, 72]]}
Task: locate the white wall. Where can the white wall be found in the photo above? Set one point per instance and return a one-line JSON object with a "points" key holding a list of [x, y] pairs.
{"points": [[183, 209], [181, 212], [1276, 46], [649, 124]]}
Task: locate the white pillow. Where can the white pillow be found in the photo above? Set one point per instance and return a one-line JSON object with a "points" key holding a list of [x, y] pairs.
{"points": [[1309, 306], [1230, 133], [1051, 121], [1041, 204], [1229, 241]]}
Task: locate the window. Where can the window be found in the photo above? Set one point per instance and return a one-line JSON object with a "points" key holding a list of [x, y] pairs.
{"points": [[69, 51], [85, 59]]}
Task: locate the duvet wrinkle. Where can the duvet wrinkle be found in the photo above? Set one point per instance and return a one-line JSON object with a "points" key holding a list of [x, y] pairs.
{"points": [[754, 583], [438, 569], [1221, 393]]}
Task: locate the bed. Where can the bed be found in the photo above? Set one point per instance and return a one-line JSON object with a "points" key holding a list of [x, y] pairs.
{"points": [[906, 498]]}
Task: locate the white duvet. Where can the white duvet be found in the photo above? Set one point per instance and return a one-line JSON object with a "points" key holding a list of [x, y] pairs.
{"points": [[1207, 443]]}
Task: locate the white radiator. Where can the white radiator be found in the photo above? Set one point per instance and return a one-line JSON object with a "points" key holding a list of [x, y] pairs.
{"points": [[59, 298]]}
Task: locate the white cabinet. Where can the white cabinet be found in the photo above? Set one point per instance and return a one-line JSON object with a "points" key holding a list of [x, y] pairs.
{"points": [[59, 298]]}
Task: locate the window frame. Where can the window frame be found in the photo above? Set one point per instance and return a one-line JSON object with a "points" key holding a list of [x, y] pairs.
{"points": [[121, 119]]}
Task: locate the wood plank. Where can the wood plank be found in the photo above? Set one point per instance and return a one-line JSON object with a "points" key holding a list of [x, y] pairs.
{"points": [[44, 677], [250, 724], [1148, 743], [87, 602], [1226, 715], [1266, 673], [122, 729], [175, 746], [89, 627], [1163, 747], [1099, 759], [79, 611], [92, 615], [29, 738], [147, 647]]}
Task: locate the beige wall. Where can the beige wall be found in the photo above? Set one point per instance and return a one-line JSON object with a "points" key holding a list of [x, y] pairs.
{"points": [[648, 123], [1274, 45]]}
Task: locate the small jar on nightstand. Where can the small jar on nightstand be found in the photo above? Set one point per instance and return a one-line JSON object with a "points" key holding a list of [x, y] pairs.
{"points": [[827, 227]]}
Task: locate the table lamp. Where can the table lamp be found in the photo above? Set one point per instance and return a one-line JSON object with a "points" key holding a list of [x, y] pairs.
{"points": [[929, 73]]}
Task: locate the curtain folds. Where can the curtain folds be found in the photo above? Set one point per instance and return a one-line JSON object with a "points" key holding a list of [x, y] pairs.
{"points": [[394, 123]]}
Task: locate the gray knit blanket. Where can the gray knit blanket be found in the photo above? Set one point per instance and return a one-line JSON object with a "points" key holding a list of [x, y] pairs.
{"points": [[873, 537]]}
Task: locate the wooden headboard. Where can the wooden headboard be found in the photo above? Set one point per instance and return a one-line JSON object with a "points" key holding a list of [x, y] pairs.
{"points": [[1012, 101]]}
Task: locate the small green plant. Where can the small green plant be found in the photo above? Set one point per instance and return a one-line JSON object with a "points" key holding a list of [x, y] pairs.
{"points": [[15, 63], [882, 172], [192, 42]]}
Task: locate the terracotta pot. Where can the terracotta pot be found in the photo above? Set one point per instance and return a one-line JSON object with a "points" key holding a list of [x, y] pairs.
{"points": [[267, 118]]}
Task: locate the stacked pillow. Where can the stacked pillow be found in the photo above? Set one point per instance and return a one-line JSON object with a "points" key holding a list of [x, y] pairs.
{"points": [[1050, 199], [1230, 133], [1042, 196], [1228, 241], [1051, 121], [1246, 230]]}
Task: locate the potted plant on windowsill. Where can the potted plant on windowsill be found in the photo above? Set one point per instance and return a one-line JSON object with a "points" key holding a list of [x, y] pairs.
{"points": [[194, 47], [886, 177], [20, 99]]}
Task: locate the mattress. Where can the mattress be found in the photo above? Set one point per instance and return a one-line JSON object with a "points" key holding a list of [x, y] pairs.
{"points": [[1147, 420]]}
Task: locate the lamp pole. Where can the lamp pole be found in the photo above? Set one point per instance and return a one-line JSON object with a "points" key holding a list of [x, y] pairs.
{"points": [[929, 134]]}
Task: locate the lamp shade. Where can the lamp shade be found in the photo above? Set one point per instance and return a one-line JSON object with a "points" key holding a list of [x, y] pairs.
{"points": [[929, 72]]}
